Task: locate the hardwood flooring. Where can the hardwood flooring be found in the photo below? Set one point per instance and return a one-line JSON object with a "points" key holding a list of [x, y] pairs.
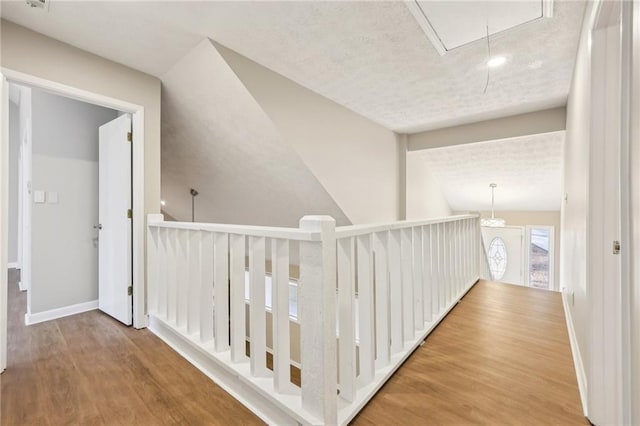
{"points": [[89, 369], [501, 357]]}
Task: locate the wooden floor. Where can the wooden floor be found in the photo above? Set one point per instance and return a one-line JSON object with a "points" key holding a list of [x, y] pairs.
{"points": [[90, 370], [501, 357]]}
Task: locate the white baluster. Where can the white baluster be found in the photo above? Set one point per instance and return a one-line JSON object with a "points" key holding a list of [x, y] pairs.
{"points": [[347, 318], [207, 304], [427, 278], [449, 271], [450, 260], [238, 306], [221, 291], [407, 284], [468, 253], [435, 270], [195, 277], [380, 240], [457, 263], [395, 291], [280, 310], [464, 253], [478, 248], [442, 270], [182, 275], [418, 276], [163, 272], [367, 354], [172, 285], [258, 314]]}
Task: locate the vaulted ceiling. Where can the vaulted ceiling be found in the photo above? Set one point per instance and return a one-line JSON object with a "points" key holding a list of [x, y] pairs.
{"points": [[372, 57]]}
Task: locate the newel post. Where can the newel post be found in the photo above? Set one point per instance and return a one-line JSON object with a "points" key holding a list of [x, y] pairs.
{"points": [[480, 255], [317, 313], [153, 262]]}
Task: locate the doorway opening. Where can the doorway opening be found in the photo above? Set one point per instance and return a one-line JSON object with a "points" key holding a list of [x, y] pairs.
{"points": [[59, 212], [69, 205]]}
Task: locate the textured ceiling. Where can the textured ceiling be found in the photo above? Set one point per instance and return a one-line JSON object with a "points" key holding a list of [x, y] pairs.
{"points": [[371, 57], [527, 169]]}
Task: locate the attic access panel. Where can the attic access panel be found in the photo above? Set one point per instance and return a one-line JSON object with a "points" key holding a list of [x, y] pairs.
{"points": [[452, 24]]}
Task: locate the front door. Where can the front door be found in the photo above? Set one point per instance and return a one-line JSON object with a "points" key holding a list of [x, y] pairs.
{"points": [[505, 252]]}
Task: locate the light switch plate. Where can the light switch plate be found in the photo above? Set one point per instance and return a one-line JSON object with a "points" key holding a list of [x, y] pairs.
{"points": [[52, 197], [38, 196]]}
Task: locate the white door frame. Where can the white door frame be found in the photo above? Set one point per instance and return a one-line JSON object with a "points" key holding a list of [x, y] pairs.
{"points": [[26, 176], [552, 253], [137, 114], [634, 216], [21, 178], [608, 282]]}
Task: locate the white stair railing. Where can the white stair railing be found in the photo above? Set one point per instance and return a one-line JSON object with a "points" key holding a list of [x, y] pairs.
{"points": [[403, 277], [367, 296]]}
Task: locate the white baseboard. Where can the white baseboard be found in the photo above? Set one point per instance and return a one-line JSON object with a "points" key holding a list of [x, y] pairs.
{"points": [[13, 265], [22, 286], [577, 358], [31, 319]]}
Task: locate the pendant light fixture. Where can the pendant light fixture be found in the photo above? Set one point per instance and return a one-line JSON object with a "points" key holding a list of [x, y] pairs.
{"points": [[494, 221]]}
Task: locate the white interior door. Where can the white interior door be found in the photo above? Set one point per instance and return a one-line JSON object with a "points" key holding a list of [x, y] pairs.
{"points": [[505, 253], [114, 248]]}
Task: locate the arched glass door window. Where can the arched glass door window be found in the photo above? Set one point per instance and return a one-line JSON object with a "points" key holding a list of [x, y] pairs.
{"points": [[497, 257]]}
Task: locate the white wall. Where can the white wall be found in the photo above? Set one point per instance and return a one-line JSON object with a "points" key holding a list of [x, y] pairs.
{"points": [[573, 245], [35, 54], [587, 231], [14, 183], [65, 161], [217, 139], [424, 194], [356, 160]]}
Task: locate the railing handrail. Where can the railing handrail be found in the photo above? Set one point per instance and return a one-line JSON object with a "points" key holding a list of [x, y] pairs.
{"points": [[301, 235], [405, 275], [355, 230], [249, 230]]}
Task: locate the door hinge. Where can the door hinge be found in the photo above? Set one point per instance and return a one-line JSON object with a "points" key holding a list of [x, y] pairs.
{"points": [[130, 290], [129, 136], [616, 247], [129, 214]]}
